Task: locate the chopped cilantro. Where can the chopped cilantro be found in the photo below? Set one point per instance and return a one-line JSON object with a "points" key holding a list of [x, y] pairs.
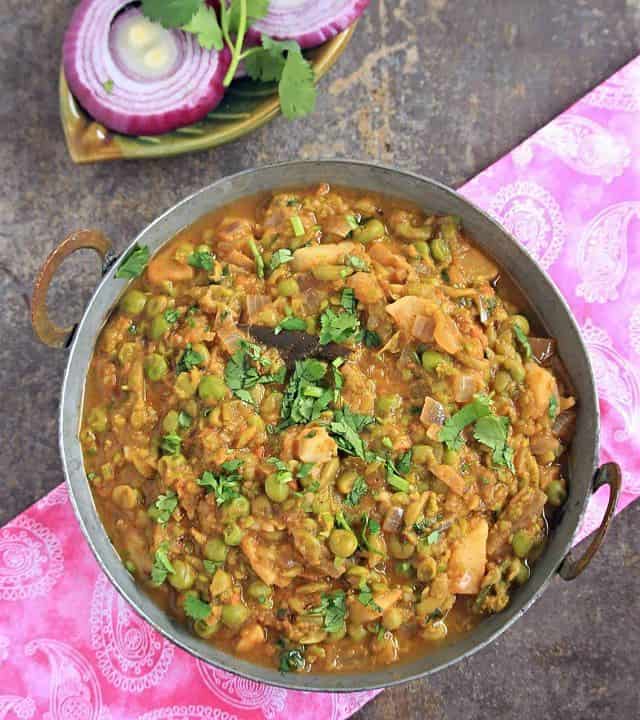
{"points": [[134, 262], [345, 429], [132, 329], [304, 400], [211, 566], [161, 564], [163, 507], [195, 608], [342, 326], [395, 471], [290, 323], [283, 474], [492, 431], [357, 492], [553, 407], [241, 375], [365, 596], [371, 339], [202, 260], [433, 537], [190, 358], [225, 485], [291, 660], [421, 526], [451, 433], [108, 86], [334, 610], [184, 419], [171, 316], [304, 470], [171, 444]]}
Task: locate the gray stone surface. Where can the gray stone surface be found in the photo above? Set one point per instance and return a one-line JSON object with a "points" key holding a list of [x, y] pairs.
{"points": [[441, 87]]}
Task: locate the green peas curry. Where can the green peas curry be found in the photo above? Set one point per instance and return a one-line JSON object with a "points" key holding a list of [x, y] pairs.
{"points": [[349, 508]]}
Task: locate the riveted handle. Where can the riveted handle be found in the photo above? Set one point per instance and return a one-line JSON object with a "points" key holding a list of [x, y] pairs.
{"points": [[611, 475], [46, 330]]}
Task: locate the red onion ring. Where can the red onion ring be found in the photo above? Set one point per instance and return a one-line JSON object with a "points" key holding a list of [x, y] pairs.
{"points": [[308, 22], [135, 105]]}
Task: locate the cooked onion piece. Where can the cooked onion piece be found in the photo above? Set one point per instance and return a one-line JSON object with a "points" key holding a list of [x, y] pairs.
{"points": [[309, 22], [134, 76]]}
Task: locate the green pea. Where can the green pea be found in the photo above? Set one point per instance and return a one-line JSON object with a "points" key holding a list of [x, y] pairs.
{"points": [[556, 493], [422, 248], [288, 287], [522, 322], [215, 550], [170, 422], [328, 273], [125, 496], [184, 387], [212, 388], [522, 543], [431, 359], [370, 231], [232, 534], [205, 629], [159, 326], [233, 616], [237, 508], [183, 575], [98, 419], [155, 366], [346, 481], [342, 543], [385, 404], [156, 305], [515, 368], [400, 550], [501, 381], [276, 490], [126, 353], [259, 591], [421, 454], [451, 457], [133, 302], [440, 250], [357, 632]]}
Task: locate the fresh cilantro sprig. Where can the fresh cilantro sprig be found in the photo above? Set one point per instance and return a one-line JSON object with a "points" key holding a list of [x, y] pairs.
{"points": [[345, 429], [283, 474], [553, 407], [493, 431], [161, 564], [190, 359], [357, 492], [133, 263], [225, 485], [272, 61], [339, 327], [333, 608], [201, 260], [290, 323], [365, 596], [171, 444], [304, 398], [451, 433], [195, 608], [395, 471], [241, 373]]}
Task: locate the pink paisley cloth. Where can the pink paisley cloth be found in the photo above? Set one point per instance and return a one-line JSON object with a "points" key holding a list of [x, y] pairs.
{"points": [[72, 649]]}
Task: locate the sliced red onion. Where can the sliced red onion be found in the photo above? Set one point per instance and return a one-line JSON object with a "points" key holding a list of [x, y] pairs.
{"points": [[308, 22], [134, 76]]}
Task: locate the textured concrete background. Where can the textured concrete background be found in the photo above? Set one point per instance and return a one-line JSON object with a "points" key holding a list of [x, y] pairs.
{"points": [[443, 87]]}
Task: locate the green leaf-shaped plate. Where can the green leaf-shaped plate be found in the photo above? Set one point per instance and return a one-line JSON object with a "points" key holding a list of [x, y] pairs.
{"points": [[246, 106]]}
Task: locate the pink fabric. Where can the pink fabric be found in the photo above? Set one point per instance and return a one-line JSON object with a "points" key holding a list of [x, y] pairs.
{"points": [[72, 649]]}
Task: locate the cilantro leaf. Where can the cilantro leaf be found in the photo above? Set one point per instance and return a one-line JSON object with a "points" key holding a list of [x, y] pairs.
{"points": [[171, 316], [523, 340], [279, 257], [161, 564], [297, 88], [336, 327], [201, 259], [334, 609], [170, 13], [283, 474], [451, 432], [134, 262], [553, 407], [492, 431], [267, 64], [195, 608], [240, 375], [163, 507], [370, 526], [108, 86], [171, 444], [304, 399], [226, 485], [345, 429], [190, 358], [290, 323], [365, 596], [433, 537], [304, 470], [204, 25], [371, 339], [184, 419], [357, 492], [291, 660], [357, 263], [256, 10], [395, 471]]}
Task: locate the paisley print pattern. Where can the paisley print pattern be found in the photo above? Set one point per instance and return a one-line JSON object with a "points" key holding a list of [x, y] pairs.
{"points": [[601, 257], [130, 654], [621, 92], [74, 691], [4, 648], [532, 214], [242, 693], [188, 712], [616, 379], [634, 329], [58, 496], [31, 560], [20, 707]]}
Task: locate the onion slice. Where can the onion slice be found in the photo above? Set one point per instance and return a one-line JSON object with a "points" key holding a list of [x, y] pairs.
{"points": [[308, 22], [135, 77]]}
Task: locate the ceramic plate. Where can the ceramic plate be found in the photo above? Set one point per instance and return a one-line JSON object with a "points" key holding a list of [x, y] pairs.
{"points": [[246, 106]]}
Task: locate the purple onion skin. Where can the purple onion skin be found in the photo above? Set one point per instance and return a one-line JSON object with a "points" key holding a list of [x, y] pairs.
{"points": [[96, 102], [315, 37]]}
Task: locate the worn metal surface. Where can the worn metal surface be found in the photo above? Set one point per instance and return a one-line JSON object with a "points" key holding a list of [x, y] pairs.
{"points": [[439, 86]]}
